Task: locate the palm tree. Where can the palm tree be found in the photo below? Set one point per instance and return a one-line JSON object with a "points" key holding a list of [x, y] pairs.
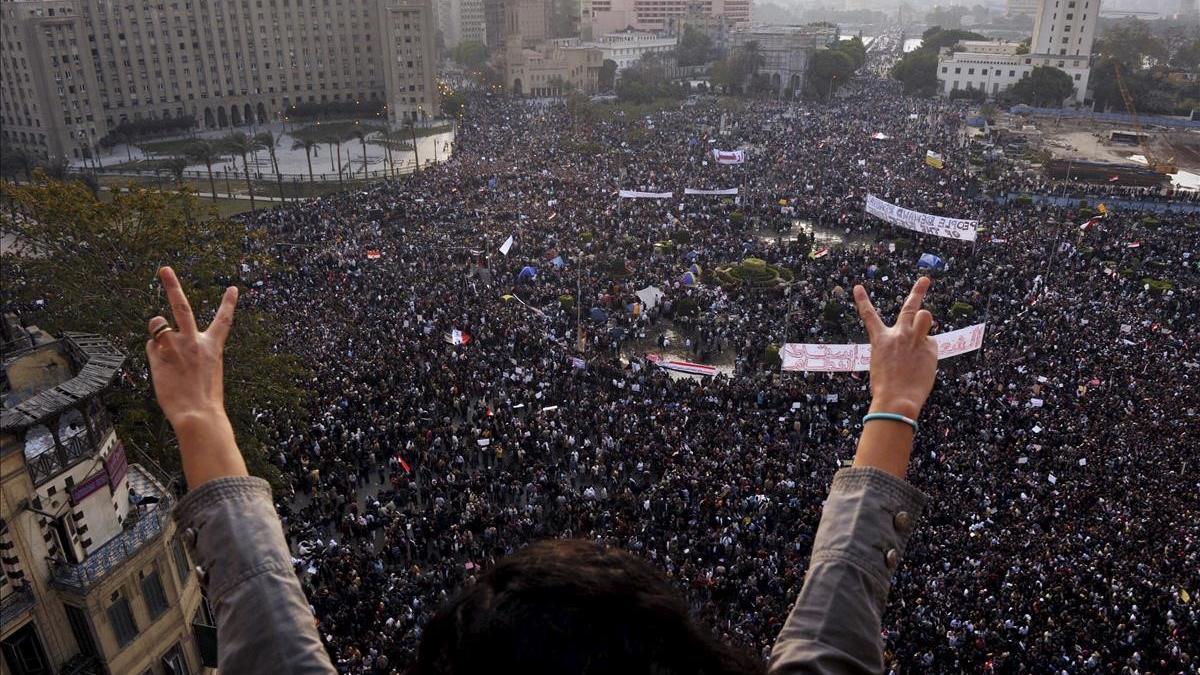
{"points": [[205, 152], [335, 137], [176, 165], [752, 59], [361, 131], [241, 144], [386, 138], [416, 157], [269, 140], [306, 141]]}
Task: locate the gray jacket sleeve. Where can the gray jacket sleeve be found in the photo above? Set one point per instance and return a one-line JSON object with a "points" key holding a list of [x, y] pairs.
{"points": [[264, 624], [835, 624]]}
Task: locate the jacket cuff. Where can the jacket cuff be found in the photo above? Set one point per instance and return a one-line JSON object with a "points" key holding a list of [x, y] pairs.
{"points": [[235, 509], [232, 488], [867, 521]]}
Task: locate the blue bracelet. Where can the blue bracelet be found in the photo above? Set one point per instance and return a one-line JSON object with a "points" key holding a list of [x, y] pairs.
{"points": [[893, 417]]}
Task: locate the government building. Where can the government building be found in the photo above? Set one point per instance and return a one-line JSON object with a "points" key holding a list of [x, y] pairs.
{"points": [[71, 71], [1063, 33], [94, 577]]}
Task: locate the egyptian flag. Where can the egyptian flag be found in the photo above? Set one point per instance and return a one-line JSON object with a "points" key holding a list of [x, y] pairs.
{"points": [[1091, 223]]}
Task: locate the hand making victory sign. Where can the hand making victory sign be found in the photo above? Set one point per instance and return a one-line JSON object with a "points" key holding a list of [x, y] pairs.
{"points": [[188, 374], [903, 367]]}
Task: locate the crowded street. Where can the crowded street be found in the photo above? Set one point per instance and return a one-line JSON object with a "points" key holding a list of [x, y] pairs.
{"points": [[479, 346]]}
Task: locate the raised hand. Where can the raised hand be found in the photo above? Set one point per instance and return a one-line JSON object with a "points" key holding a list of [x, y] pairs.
{"points": [[903, 366], [903, 356], [188, 373]]}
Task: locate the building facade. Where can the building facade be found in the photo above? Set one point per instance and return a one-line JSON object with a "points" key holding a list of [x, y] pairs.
{"points": [[1063, 34], [611, 16], [71, 71], [785, 50], [1021, 7], [552, 67], [627, 49], [461, 21], [410, 60], [93, 578]]}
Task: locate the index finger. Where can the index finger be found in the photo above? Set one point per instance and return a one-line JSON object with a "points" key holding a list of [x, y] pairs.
{"points": [[913, 304], [180, 309], [867, 312]]}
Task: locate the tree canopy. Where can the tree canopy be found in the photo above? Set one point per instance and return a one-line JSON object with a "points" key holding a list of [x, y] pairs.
{"points": [[827, 69], [1045, 86], [94, 268], [470, 53], [917, 70], [695, 48], [1131, 43]]}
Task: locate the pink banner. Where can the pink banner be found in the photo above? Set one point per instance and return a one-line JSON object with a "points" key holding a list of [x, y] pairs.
{"points": [[818, 358]]}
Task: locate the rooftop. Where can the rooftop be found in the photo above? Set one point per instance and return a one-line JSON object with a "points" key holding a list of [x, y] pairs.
{"points": [[45, 379]]}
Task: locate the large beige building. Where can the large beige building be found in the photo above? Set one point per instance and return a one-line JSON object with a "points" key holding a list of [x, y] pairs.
{"points": [[72, 70], [610, 16], [93, 577]]}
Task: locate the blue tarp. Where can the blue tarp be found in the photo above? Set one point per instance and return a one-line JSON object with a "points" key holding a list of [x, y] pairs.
{"points": [[527, 272], [929, 261], [688, 279], [598, 315]]}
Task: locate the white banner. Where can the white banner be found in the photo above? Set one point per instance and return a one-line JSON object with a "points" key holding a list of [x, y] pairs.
{"points": [[848, 358], [729, 156], [634, 194], [694, 191], [952, 228]]}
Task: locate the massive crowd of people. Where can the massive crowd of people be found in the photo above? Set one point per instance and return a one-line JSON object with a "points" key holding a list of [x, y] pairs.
{"points": [[1064, 529]]}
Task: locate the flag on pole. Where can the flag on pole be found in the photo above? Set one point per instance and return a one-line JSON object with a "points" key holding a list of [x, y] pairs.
{"points": [[819, 252], [1091, 222], [507, 245], [404, 465]]}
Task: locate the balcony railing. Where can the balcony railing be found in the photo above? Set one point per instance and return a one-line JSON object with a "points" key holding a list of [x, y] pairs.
{"points": [[60, 457], [147, 528], [14, 604]]}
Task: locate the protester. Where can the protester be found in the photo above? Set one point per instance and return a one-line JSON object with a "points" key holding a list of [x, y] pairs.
{"points": [[1062, 532]]}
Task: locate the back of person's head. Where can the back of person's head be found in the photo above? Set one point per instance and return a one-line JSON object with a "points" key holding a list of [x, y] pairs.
{"points": [[570, 607]]}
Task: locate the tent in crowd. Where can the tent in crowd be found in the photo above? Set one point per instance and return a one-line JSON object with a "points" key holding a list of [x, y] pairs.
{"points": [[929, 261], [598, 315], [527, 272]]}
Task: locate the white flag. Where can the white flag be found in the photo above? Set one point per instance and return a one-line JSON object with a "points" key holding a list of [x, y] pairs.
{"points": [[504, 248]]}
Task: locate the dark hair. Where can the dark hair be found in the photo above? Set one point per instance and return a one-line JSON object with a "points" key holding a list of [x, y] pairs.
{"points": [[572, 607]]}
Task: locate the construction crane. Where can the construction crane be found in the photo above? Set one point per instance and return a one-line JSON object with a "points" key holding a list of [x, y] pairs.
{"points": [[1167, 167]]}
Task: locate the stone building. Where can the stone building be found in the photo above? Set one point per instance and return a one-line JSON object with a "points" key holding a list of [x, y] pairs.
{"points": [[93, 578], [71, 71]]}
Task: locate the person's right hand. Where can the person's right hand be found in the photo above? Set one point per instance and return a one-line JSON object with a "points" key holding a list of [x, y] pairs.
{"points": [[903, 356]]}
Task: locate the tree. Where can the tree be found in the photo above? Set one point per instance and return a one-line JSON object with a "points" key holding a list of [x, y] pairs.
{"points": [[470, 53], [306, 141], [389, 137], [241, 144], [1045, 86], [826, 69], [16, 161], [269, 140], [1187, 56], [96, 275], [853, 48], [1131, 43], [918, 72], [454, 103], [177, 165], [361, 131], [751, 60], [695, 47], [207, 153], [608, 75]]}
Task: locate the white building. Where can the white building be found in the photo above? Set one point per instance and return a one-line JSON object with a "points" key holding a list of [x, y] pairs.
{"points": [[627, 49], [1026, 7], [1063, 33]]}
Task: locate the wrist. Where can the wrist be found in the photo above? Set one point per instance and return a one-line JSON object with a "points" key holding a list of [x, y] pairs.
{"points": [[897, 405], [198, 419]]}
